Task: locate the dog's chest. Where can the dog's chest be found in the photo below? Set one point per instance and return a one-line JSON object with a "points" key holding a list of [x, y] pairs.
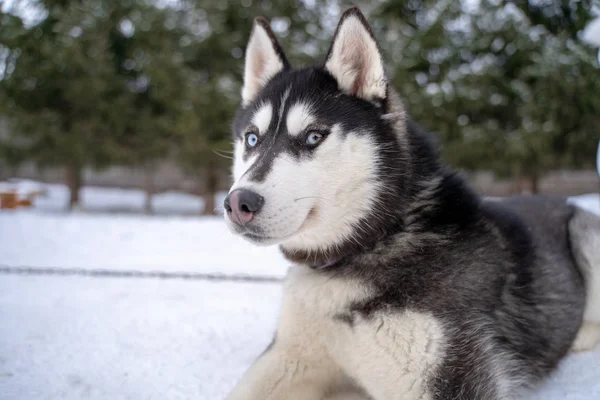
{"points": [[400, 347]]}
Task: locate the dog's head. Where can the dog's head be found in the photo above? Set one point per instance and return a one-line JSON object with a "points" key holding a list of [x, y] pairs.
{"points": [[313, 145]]}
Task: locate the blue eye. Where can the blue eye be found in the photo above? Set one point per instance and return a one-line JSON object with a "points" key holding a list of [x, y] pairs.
{"points": [[251, 139], [313, 138]]}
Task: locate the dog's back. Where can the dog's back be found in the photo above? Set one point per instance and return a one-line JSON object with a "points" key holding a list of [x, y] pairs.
{"points": [[566, 239]]}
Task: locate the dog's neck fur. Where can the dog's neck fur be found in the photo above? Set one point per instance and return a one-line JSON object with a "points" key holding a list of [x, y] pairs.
{"points": [[421, 192]]}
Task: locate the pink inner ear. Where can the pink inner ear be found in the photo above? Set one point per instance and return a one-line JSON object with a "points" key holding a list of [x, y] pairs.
{"points": [[358, 65], [259, 63], [358, 82]]}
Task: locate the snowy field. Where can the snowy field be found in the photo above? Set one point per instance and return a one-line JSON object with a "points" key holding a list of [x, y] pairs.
{"points": [[105, 338], [102, 237]]}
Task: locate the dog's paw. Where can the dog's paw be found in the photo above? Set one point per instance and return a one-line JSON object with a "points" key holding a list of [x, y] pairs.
{"points": [[587, 338]]}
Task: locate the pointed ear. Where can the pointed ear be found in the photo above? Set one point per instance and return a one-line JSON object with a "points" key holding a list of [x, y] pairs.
{"points": [[264, 59], [354, 59]]}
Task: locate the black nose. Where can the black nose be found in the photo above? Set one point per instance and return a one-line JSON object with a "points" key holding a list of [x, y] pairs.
{"points": [[242, 204]]}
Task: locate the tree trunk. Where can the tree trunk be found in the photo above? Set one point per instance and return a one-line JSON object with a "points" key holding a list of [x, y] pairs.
{"points": [[518, 183], [212, 182], [534, 180], [148, 188], [74, 182]]}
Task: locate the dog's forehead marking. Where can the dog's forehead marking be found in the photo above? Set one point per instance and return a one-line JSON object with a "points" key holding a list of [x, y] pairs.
{"points": [[284, 98], [298, 118], [262, 117]]}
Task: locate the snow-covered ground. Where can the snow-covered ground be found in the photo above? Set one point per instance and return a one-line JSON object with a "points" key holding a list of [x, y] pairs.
{"points": [[100, 338], [131, 242], [76, 338], [73, 338], [46, 236]]}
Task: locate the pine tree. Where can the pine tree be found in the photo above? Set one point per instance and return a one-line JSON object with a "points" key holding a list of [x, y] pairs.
{"points": [[145, 42], [92, 84], [60, 94], [507, 85]]}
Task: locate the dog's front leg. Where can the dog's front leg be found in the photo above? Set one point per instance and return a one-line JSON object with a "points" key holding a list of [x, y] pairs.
{"points": [[288, 372]]}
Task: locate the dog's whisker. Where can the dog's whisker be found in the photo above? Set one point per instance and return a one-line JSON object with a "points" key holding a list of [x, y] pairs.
{"points": [[219, 210], [309, 197], [220, 154]]}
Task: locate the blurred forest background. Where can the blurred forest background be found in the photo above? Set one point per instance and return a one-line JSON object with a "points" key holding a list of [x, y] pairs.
{"points": [[147, 88]]}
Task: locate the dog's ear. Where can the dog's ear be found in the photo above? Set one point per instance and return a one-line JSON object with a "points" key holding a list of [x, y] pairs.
{"points": [[264, 59], [354, 58]]}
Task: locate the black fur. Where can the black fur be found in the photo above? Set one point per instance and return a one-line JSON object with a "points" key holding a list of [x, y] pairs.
{"points": [[494, 274]]}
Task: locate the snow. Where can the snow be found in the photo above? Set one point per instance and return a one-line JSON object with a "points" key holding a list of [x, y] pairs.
{"points": [[591, 33], [21, 187], [131, 242], [124, 201], [49, 237], [73, 338], [590, 202], [80, 337]]}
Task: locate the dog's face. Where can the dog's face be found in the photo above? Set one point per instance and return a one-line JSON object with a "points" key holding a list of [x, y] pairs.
{"points": [[307, 147]]}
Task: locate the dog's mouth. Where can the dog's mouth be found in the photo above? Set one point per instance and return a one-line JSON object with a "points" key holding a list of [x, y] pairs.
{"points": [[312, 214], [250, 232], [255, 235], [258, 238]]}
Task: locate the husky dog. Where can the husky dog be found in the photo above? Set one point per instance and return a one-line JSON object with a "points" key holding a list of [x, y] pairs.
{"points": [[406, 284]]}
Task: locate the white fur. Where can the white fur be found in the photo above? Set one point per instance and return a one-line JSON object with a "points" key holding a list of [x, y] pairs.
{"points": [[355, 58], [587, 338], [240, 167], [584, 233], [261, 64], [298, 118], [295, 187], [262, 117], [343, 198], [393, 356], [317, 361], [592, 309]]}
